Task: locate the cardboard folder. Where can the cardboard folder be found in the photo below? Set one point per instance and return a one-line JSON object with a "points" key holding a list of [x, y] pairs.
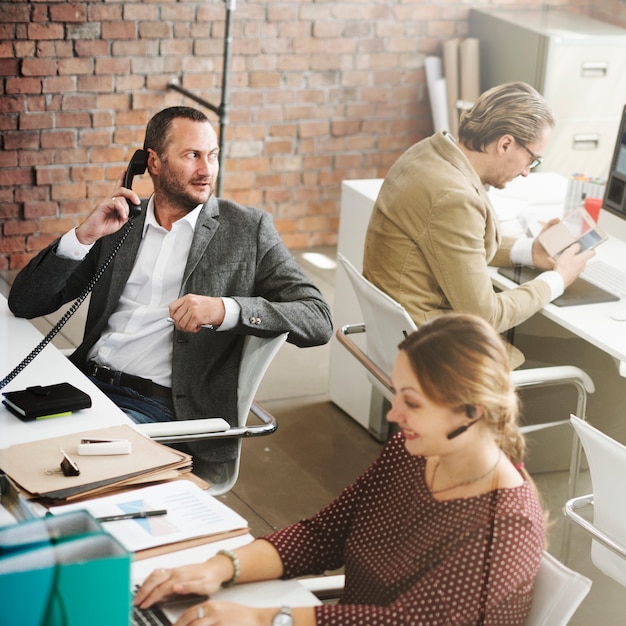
{"points": [[35, 465]]}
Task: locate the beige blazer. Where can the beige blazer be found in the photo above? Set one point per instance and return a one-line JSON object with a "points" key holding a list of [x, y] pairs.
{"points": [[431, 236]]}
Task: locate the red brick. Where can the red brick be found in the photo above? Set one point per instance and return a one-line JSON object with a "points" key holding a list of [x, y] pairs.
{"points": [[58, 84], [33, 121], [16, 176], [11, 244], [90, 48], [9, 209], [9, 67], [119, 30], [89, 138], [50, 175], [58, 139], [87, 173], [11, 104], [55, 49], [30, 158], [70, 12], [18, 261], [56, 226], [37, 243], [102, 84], [23, 85], [73, 120], [68, 191], [76, 66], [32, 193], [45, 31], [40, 209], [19, 228], [112, 66], [105, 12]]}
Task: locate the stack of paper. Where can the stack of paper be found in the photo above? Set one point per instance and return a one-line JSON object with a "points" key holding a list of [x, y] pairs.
{"points": [[35, 466], [192, 517]]}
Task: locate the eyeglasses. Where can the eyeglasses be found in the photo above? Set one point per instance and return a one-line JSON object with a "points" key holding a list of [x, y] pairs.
{"points": [[536, 160]]}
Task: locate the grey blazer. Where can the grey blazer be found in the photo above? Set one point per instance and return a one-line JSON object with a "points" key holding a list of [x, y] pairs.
{"points": [[237, 252]]}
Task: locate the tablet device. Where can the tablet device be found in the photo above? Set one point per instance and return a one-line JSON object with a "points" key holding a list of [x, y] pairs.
{"points": [[579, 292]]}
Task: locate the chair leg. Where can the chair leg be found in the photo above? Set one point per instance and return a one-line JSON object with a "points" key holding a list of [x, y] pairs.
{"points": [[574, 468]]}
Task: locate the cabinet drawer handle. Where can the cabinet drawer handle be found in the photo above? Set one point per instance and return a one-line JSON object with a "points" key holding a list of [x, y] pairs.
{"points": [[587, 141], [594, 69]]}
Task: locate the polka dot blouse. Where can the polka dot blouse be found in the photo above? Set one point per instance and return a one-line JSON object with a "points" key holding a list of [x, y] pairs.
{"points": [[410, 559]]}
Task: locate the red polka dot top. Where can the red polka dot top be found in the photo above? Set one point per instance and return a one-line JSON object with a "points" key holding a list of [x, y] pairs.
{"points": [[411, 559]]}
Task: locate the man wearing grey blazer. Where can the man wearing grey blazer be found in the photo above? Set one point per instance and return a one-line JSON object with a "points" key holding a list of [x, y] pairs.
{"points": [[216, 269]]}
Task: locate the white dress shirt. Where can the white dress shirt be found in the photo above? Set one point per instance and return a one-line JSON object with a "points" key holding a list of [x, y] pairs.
{"points": [[138, 337]]}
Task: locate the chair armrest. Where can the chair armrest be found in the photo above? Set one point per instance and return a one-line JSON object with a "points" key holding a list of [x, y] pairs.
{"points": [[182, 431], [569, 510], [554, 375], [342, 336]]}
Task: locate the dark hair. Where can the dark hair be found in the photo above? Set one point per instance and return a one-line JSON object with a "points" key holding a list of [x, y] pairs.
{"points": [[512, 108], [157, 130]]}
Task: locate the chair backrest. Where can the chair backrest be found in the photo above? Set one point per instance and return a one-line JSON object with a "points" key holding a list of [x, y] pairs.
{"points": [[607, 467], [557, 594], [386, 321], [256, 356]]}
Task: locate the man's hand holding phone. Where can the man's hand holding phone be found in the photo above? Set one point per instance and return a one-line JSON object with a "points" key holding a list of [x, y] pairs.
{"points": [[110, 214], [571, 262]]}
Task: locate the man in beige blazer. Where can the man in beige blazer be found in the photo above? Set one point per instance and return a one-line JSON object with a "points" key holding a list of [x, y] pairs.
{"points": [[433, 230]]}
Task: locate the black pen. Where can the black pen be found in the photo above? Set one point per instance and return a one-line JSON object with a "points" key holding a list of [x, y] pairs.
{"points": [[136, 515]]}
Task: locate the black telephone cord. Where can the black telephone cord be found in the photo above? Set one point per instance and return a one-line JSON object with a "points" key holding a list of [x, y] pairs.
{"points": [[81, 298]]}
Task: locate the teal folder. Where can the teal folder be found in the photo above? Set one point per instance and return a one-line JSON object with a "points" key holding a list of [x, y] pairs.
{"points": [[63, 571]]}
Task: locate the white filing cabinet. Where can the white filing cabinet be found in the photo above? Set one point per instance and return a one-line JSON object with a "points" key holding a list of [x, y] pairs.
{"points": [[349, 387], [576, 62]]}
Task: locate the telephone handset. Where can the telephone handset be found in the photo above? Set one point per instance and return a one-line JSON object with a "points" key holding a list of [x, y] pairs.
{"points": [[137, 166]]}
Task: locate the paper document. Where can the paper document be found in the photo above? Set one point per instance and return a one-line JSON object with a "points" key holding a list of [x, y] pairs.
{"points": [[191, 514]]}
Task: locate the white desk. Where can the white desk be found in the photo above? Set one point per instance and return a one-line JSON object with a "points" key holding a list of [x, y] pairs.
{"points": [[17, 338], [543, 195]]}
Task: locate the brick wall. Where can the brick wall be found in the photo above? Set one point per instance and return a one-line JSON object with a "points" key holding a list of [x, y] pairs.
{"points": [[320, 91]]}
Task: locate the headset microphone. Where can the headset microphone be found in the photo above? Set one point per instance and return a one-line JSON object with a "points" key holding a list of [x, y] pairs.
{"points": [[471, 413]]}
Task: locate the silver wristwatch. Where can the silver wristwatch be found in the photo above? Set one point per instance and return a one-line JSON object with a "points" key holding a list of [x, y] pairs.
{"points": [[283, 617]]}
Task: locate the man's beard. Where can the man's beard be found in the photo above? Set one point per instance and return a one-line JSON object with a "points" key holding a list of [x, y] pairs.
{"points": [[177, 193]]}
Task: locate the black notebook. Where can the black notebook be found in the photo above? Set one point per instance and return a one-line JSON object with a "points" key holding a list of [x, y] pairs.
{"points": [[579, 292], [46, 401]]}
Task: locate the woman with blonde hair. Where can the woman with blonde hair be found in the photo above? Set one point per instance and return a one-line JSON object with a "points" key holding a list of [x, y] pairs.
{"points": [[443, 528]]}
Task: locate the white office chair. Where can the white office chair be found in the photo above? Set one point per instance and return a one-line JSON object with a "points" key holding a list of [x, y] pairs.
{"points": [[607, 467], [256, 356], [387, 323], [557, 594]]}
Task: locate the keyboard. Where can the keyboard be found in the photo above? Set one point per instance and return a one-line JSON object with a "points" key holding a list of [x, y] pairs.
{"points": [[606, 276], [150, 617]]}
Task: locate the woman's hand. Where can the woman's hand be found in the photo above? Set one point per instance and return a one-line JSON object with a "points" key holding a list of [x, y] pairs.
{"points": [[225, 614], [202, 579]]}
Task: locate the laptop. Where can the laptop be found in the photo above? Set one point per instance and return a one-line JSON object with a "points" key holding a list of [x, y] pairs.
{"points": [[268, 593]]}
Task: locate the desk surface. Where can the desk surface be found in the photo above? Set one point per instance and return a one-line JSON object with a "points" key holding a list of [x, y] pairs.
{"points": [[17, 338], [544, 194]]}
